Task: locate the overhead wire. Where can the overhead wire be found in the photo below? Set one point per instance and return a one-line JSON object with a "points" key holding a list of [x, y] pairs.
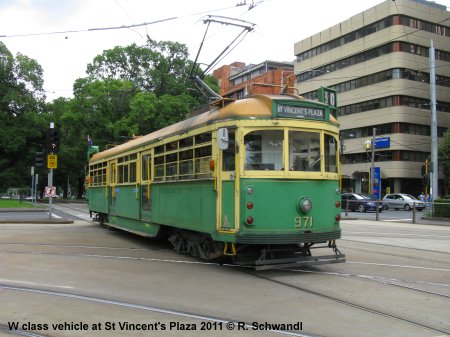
{"points": [[113, 27]]}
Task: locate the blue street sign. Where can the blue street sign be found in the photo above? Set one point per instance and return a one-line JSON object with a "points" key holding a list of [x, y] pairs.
{"points": [[383, 142], [376, 182]]}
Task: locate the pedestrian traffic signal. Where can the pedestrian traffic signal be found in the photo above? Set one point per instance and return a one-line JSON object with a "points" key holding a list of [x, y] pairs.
{"points": [[53, 140], [39, 161]]}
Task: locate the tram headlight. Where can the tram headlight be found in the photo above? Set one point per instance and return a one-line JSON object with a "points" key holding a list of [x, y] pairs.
{"points": [[304, 205]]}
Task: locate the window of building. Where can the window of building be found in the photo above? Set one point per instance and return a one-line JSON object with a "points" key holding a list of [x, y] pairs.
{"points": [[389, 155], [368, 55], [373, 28], [389, 102]]}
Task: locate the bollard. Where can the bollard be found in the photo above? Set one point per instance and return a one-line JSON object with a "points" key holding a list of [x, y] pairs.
{"points": [[377, 216], [414, 212]]}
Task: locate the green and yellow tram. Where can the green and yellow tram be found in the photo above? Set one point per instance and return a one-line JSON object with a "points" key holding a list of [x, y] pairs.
{"points": [[256, 179]]}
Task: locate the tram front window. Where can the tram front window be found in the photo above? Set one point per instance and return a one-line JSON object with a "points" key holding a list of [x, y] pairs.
{"points": [[264, 150], [331, 154], [304, 151]]}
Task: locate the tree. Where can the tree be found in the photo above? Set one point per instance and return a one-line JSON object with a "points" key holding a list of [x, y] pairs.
{"points": [[444, 159], [129, 91], [158, 67], [22, 118]]}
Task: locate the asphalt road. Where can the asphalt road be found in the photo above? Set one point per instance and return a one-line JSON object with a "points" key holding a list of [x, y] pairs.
{"points": [[81, 279]]}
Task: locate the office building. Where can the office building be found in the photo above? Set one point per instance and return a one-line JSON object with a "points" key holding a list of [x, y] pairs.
{"points": [[378, 62]]}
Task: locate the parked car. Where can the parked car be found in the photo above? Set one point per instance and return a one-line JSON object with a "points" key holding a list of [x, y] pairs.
{"points": [[403, 201], [360, 202]]}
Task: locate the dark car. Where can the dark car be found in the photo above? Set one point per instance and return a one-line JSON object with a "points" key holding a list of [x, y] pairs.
{"points": [[360, 202]]}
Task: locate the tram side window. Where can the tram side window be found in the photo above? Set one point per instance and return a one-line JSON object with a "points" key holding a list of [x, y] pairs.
{"points": [[330, 154], [171, 166], [126, 169], [202, 158], [159, 168], [98, 174], [146, 167], [229, 155], [304, 151], [264, 150], [123, 173], [186, 168]]}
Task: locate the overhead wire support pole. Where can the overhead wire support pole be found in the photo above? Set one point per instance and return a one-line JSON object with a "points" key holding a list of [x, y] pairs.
{"points": [[373, 162], [434, 145]]}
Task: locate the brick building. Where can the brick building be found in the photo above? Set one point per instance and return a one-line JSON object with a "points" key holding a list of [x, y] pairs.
{"points": [[239, 80]]}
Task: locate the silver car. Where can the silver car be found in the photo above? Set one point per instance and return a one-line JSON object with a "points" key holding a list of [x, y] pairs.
{"points": [[403, 201]]}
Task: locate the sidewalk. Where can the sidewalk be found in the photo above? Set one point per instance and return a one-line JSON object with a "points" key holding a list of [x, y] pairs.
{"points": [[30, 215], [40, 216], [420, 220]]}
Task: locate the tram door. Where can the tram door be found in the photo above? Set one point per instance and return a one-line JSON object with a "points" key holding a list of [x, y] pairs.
{"points": [[146, 175], [112, 189], [227, 183]]}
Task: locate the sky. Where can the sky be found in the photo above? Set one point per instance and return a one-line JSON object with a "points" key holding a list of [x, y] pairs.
{"points": [[62, 35]]}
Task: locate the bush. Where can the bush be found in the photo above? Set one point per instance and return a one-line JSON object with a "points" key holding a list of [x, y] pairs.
{"points": [[442, 208]]}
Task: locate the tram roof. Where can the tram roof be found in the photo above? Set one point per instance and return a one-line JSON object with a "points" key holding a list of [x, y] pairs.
{"points": [[259, 106]]}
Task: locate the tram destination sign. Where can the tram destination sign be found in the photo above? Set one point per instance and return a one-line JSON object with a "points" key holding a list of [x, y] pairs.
{"points": [[292, 111]]}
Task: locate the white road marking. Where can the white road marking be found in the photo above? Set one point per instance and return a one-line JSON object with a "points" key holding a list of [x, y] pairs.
{"points": [[34, 284]]}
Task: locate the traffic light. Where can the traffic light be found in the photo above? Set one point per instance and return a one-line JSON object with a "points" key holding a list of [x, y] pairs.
{"points": [[53, 140], [424, 171], [39, 161]]}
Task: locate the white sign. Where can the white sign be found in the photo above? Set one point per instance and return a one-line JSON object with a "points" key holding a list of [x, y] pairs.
{"points": [[50, 191]]}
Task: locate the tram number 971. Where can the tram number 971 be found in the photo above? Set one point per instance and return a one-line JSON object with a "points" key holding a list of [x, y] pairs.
{"points": [[303, 221]]}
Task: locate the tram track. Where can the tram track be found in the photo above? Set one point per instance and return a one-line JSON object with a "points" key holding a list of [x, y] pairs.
{"points": [[373, 278], [384, 280], [322, 270], [350, 304], [123, 252], [129, 305]]}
